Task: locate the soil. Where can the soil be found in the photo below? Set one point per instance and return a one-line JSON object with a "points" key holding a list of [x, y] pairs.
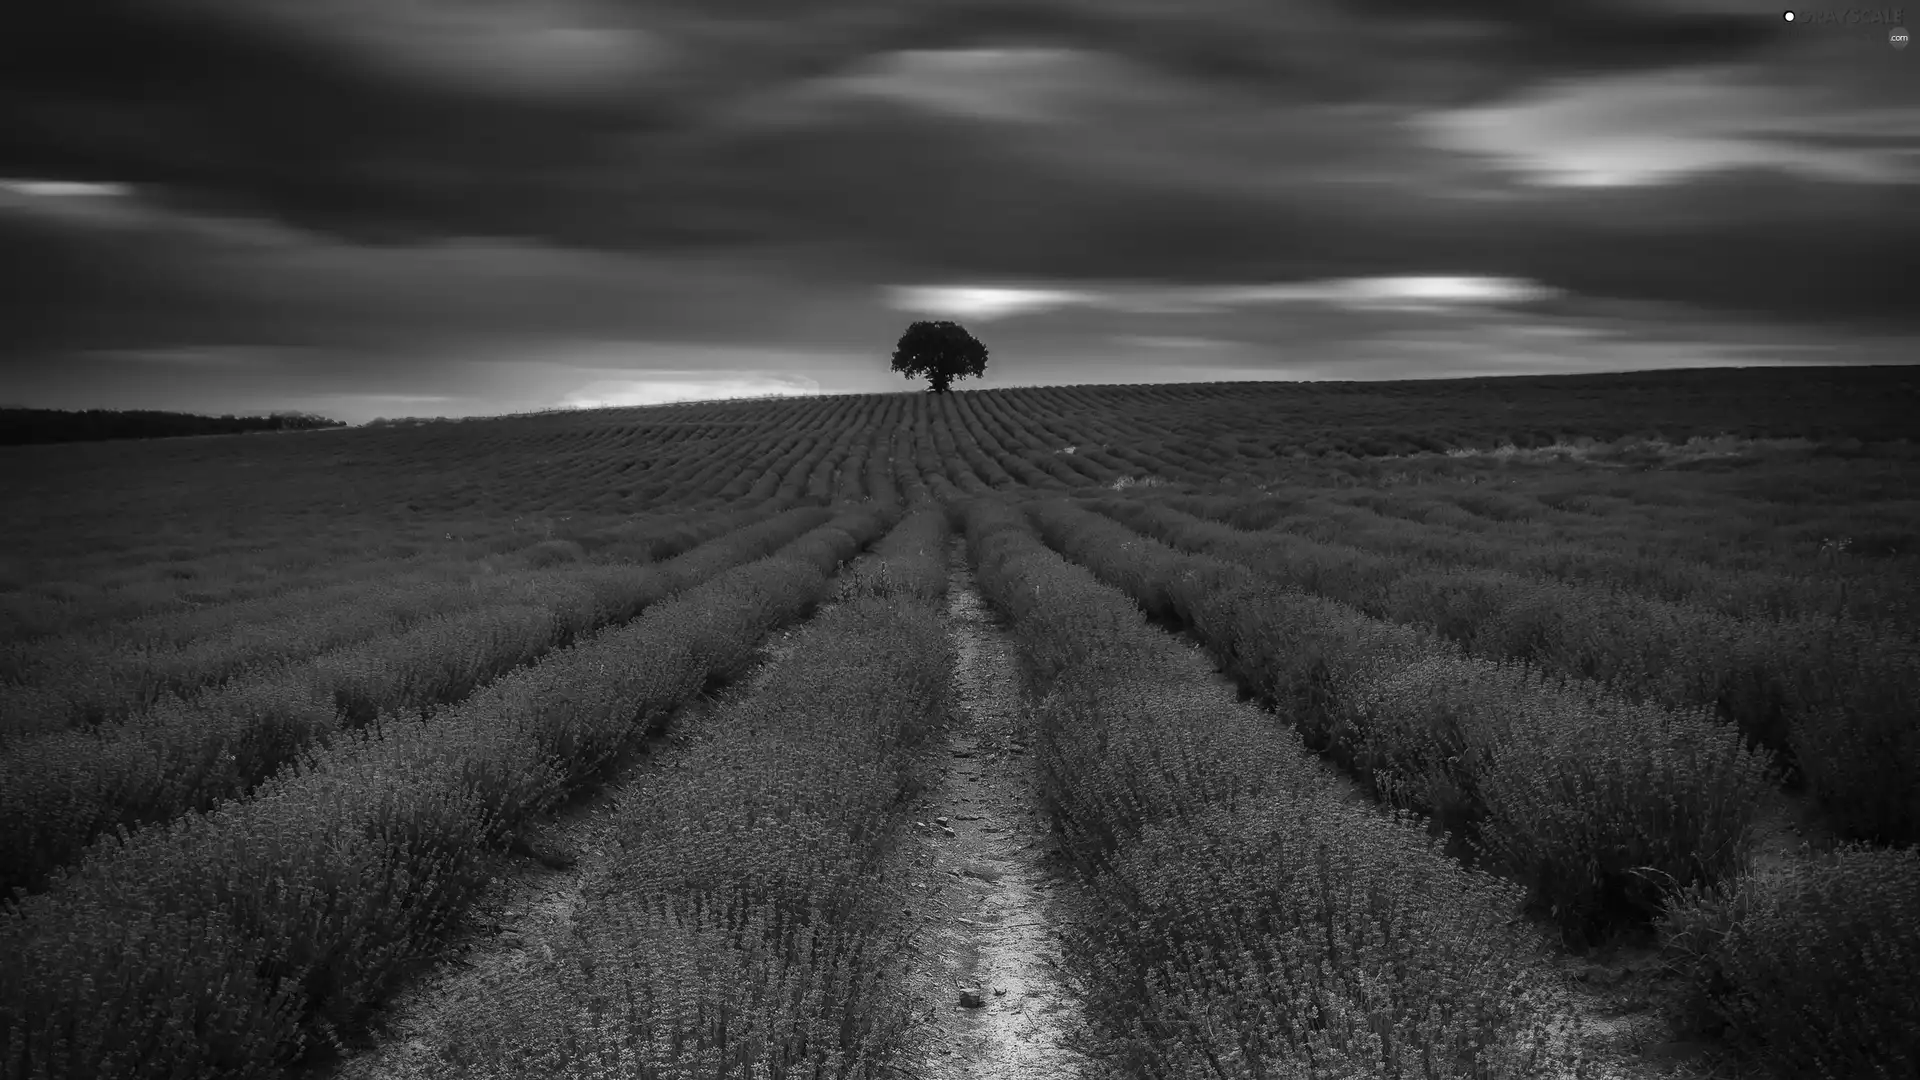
{"points": [[991, 890]]}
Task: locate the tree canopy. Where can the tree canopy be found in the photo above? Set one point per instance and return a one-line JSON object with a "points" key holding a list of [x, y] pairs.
{"points": [[941, 352]]}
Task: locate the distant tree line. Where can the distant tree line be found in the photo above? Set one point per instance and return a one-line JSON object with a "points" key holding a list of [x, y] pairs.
{"points": [[416, 421], [403, 421], [19, 427]]}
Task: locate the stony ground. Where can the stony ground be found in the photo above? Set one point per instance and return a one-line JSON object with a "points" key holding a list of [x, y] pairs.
{"points": [[988, 894]]}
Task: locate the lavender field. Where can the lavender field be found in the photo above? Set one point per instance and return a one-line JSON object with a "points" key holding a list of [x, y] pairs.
{"points": [[1476, 728]]}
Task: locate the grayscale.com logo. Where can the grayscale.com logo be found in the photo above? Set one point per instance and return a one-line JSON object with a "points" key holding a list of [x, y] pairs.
{"points": [[1832, 16], [1861, 21]]}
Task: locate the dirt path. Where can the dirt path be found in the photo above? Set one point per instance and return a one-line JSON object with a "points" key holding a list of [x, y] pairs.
{"points": [[986, 892]]}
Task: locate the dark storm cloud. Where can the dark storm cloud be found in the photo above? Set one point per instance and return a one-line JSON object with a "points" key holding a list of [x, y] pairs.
{"points": [[639, 149], [576, 121], [115, 273]]}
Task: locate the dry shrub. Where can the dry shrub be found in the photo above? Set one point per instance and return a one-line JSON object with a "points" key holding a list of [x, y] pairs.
{"points": [[909, 563], [1859, 749], [1599, 805], [749, 932], [1313, 940], [1812, 969]]}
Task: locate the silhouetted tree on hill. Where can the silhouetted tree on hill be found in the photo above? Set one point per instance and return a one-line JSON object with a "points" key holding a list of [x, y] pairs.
{"points": [[942, 352]]}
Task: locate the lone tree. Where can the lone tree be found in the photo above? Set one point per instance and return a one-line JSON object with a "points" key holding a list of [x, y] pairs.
{"points": [[942, 351]]}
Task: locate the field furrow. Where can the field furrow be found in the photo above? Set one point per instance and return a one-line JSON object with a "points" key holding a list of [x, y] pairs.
{"points": [[63, 791], [744, 911], [1612, 815], [1251, 916], [1600, 806], [229, 942], [83, 680], [1833, 697], [1602, 546]]}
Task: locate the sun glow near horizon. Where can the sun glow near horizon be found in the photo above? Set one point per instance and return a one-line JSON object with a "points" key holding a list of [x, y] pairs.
{"points": [[1412, 292], [685, 387]]}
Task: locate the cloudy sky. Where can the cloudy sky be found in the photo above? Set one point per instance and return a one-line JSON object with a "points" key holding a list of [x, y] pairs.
{"points": [[448, 207]]}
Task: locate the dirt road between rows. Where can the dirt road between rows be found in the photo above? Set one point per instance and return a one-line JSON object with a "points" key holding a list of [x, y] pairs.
{"points": [[989, 896]]}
